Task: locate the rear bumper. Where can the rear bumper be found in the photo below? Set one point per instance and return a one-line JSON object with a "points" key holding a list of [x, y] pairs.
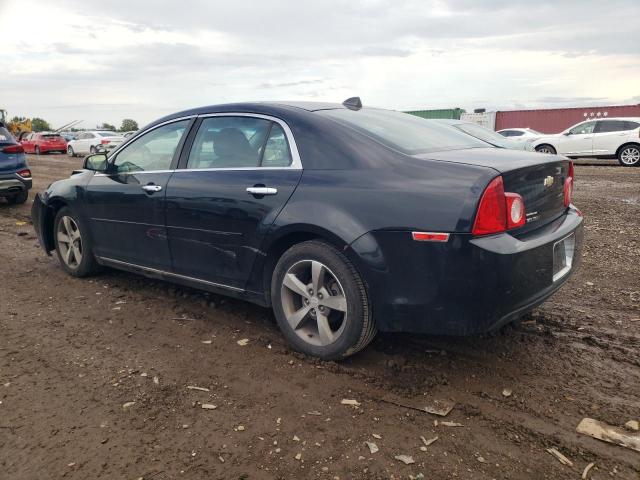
{"points": [[466, 285], [13, 183], [52, 148]]}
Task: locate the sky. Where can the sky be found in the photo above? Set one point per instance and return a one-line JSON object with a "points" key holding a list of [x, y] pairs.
{"points": [[65, 60]]}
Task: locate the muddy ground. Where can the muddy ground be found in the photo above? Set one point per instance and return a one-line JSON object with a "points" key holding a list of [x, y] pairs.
{"points": [[73, 352]]}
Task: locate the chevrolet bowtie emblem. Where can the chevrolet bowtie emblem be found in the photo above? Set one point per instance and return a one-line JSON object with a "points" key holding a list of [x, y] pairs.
{"points": [[548, 181]]}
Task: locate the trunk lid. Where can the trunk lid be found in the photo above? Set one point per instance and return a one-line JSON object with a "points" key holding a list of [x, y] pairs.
{"points": [[537, 177]]}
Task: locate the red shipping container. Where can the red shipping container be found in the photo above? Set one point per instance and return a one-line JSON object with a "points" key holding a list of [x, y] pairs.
{"points": [[556, 120]]}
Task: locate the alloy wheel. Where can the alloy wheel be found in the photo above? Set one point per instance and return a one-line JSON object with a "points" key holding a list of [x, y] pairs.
{"points": [[630, 156], [314, 302], [544, 150], [69, 242]]}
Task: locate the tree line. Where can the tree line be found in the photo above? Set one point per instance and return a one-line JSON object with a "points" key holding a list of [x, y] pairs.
{"points": [[41, 125]]}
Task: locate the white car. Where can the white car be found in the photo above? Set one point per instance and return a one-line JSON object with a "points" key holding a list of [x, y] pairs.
{"points": [[520, 134], [93, 141], [603, 138], [486, 135]]}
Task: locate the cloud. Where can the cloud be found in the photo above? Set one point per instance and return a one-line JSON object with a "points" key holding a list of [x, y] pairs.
{"points": [[104, 61]]}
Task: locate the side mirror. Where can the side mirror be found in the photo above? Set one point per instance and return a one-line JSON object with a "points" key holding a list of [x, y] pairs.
{"points": [[96, 162], [566, 134]]}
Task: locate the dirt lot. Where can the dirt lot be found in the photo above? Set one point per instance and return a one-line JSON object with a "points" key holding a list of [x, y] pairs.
{"points": [[73, 352]]}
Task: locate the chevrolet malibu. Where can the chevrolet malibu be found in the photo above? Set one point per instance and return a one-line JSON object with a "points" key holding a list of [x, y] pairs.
{"points": [[345, 220]]}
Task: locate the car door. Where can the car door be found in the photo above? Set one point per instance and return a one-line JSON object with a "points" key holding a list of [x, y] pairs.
{"points": [[608, 136], [578, 140], [238, 174], [79, 146], [126, 204]]}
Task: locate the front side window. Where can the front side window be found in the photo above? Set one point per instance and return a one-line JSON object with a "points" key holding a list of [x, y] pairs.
{"points": [[583, 128], [152, 151], [403, 132], [230, 142]]}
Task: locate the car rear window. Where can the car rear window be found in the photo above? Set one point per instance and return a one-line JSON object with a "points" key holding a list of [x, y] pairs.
{"points": [[406, 133], [51, 136], [5, 136]]}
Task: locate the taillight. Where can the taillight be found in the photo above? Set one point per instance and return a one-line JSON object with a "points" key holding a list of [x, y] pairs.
{"points": [[568, 186], [26, 173], [105, 141], [498, 211], [13, 149]]}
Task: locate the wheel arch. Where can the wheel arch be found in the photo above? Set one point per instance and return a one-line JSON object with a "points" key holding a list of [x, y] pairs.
{"points": [[546, 144], [627, 144], [281, 241]]}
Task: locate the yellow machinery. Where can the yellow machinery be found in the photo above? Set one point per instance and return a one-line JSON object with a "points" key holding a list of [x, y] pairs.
{"points": [[17, 126]]}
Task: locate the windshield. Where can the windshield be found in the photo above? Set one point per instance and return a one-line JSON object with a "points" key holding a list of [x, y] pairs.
{"points": [[484, 134], [5, 136], [403, 132]]}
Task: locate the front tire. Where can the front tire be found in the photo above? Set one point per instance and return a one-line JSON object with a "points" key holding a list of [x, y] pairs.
{"points": [[320, 302], [92, 150], [545, 148], [73, 244], [70, 151], [37, 150], [629, 156]]}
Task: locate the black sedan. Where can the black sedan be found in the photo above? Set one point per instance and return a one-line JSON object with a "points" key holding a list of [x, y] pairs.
{"points": [[345, 220]]}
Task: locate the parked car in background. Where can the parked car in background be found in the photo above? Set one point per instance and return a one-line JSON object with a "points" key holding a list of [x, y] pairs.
{"points": [[346, 220], [43, 143], [519, 134], [93, 141], [604, 138], [15, 175], [484, 134]]}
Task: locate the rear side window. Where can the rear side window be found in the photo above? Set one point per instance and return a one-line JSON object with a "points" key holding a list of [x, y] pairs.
{"points": [[605, 126], [631, 125], [5, 136], [239, 142], [276, 150], [406, 133]]}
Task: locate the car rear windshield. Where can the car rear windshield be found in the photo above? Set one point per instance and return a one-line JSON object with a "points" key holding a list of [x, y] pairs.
{"points": [[5, 136], [484, 134], [406, 133], [51, 136]]}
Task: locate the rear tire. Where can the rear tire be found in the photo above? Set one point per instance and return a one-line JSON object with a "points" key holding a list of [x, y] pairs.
{"points": [[37, 150], [73, 244], [545, 148], [70, 151], [629, 156], [92, 150], [320, 302], [19, 198]]}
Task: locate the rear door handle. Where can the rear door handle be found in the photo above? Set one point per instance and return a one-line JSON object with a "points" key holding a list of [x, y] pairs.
{"points": [[151, 188], [262, 190]]}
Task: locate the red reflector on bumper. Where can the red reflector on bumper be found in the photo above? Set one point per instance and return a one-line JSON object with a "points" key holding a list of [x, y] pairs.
{"points": [[430, 237]]}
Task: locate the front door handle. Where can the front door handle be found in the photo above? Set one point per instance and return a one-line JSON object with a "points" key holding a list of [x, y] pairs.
{"points": [[262, 190], [151, 188]]}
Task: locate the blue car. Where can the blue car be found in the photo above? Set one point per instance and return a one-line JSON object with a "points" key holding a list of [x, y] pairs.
{"points": [[345, 220], [15, 175]]}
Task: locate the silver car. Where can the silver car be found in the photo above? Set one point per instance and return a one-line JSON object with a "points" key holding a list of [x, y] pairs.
{"points": [[94, 141], [486, 135]]}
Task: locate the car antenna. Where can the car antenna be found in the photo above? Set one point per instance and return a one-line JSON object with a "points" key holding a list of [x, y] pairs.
{"points": [[353, 103]]}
